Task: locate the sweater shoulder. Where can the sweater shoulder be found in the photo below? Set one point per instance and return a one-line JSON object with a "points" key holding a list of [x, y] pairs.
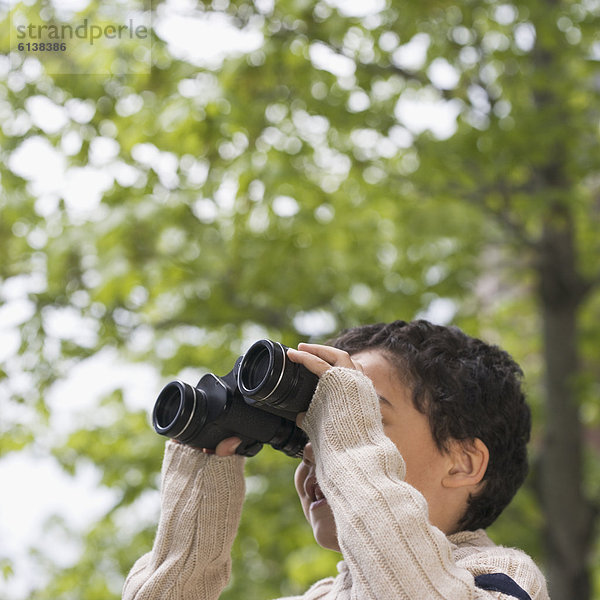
{"points": [[477, 553]]}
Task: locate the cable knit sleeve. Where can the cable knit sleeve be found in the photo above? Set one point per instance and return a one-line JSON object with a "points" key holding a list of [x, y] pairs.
{"points": [[201, 504], [391, 549]]}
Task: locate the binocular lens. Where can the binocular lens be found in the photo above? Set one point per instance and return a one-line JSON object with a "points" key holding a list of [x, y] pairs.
{"points": [[261, 370], [174, 408], [168, 408], [256, 368], [270, 380]]}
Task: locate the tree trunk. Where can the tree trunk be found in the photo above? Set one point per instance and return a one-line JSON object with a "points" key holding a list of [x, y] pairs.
{"points": [[569, 517]]}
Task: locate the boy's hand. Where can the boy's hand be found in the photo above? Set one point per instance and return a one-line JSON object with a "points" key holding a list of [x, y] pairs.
{"points": [[319, 359]]}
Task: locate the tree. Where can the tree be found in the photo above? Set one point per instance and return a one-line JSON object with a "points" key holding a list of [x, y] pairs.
{"points": [[294, 184]]}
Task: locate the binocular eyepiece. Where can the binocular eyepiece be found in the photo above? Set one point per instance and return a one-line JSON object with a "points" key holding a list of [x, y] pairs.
{"points": [[257, 401]]}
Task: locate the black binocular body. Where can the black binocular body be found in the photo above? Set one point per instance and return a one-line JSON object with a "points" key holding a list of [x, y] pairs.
{"points": [[257, 401]]}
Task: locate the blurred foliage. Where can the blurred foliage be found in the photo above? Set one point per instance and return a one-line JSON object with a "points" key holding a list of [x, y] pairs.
{"points": [[288, 191]]}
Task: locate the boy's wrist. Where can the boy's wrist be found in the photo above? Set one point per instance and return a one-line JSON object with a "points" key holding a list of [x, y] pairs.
{"points": [[341, 396]]}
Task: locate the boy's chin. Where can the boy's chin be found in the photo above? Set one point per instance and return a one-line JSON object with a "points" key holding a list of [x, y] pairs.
{"points": [[328, 542], [325, 535]]}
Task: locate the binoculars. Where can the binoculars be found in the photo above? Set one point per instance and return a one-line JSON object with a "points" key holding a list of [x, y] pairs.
{"points": [[257, 401]]}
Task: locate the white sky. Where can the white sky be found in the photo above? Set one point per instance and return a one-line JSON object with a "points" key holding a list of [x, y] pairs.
{"points": [[34, 486]]}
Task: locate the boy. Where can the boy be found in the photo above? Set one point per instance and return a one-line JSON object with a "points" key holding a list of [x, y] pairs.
{"points": [[417, 442]]}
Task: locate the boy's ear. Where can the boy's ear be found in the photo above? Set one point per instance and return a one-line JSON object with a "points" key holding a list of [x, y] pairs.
{"points": [[468, 463]]}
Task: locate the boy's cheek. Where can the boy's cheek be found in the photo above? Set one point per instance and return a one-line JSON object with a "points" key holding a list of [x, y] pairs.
{"points": [[299, 478]]}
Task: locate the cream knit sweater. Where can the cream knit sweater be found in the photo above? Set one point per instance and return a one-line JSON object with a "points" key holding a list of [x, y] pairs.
{"points": [[390, 550]]}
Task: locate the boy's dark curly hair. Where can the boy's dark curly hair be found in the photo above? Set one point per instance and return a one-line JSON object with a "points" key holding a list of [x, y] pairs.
{"points": [[468, 389]]}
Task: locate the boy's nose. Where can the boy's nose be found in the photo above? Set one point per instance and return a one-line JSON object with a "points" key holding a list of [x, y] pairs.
{"points": [[309, 455]]}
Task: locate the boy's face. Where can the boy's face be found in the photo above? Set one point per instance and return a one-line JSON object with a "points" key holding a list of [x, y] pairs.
{"points": [[406, 427]]}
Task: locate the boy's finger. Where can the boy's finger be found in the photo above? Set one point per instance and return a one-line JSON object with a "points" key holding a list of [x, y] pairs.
{"points": [[300, 419], [228, 446], [334, 356], [313, 363]]}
